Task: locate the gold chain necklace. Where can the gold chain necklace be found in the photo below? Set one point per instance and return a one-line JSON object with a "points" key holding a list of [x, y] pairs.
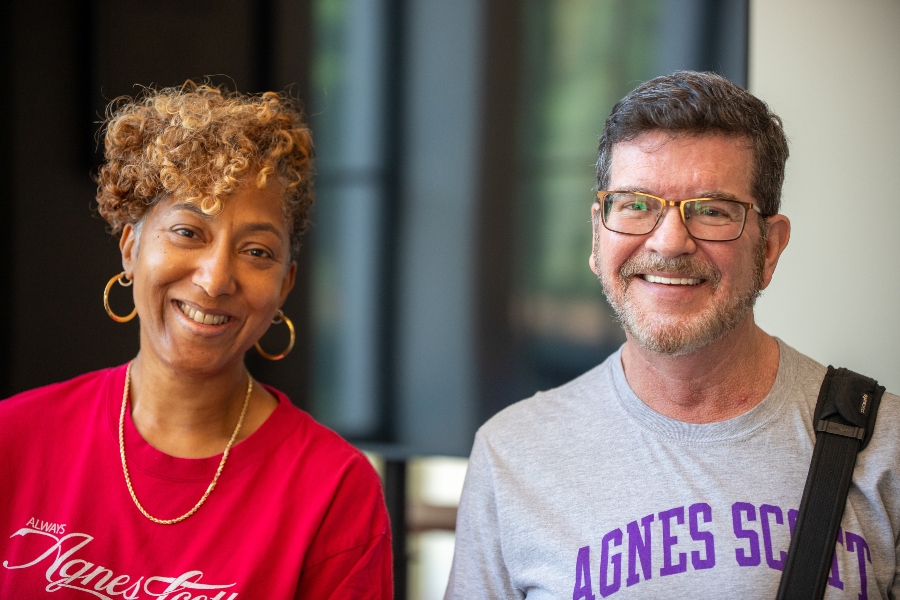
{"points": [[218, 471]]}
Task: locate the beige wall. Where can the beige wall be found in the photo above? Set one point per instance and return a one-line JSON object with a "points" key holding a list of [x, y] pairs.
{"points": [[831, 70]]}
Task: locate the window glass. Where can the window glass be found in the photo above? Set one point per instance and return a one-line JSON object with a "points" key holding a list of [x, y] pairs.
{"points": [[580, 57], [347, 118]]}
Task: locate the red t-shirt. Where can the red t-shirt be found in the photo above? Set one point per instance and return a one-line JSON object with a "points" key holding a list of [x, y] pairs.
{"points": [[297, 511]]}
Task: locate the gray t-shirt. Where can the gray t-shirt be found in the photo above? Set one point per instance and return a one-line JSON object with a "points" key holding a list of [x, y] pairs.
{"points": [[584, 492]]}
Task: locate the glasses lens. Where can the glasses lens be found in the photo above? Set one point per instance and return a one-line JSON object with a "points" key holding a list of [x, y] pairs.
{"points": [[625, 212], [715, 220]]}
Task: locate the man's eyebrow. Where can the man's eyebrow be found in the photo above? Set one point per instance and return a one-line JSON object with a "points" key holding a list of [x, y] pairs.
{"points": [[719, 195], [714, 194], [634, 190]]}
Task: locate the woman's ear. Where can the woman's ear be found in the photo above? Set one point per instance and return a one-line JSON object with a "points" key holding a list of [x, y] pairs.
{"points": [[128, 247], [287, 283]]}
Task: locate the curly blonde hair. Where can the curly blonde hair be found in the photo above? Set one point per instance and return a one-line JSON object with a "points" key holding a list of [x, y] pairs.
{"points": [[203, 142]]}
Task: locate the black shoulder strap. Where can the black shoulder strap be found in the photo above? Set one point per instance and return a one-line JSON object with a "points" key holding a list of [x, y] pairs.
{"points": [[844, 421]]}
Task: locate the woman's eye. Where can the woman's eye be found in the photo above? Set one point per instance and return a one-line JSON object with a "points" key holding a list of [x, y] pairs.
{"points": [[259, 253], [185, 232]]}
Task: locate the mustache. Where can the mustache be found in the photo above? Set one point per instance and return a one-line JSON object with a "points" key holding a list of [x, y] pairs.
{"points": [[687, 266]]}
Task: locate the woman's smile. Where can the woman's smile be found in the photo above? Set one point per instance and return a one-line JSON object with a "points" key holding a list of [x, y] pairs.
{"points": [[202, 316]]}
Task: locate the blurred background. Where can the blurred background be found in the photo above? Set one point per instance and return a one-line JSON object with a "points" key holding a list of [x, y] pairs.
{"points": [[445, 275]]}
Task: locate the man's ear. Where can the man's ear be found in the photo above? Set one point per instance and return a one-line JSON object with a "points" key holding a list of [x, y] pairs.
{"points": [[776, 241], [128, 248], [595, 223]]}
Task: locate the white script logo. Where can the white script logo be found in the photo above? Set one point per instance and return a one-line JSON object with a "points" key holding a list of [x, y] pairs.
{"points": [[67, 571]]}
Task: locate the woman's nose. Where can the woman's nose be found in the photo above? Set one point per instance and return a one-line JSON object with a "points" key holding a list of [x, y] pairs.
{"points": [[215, 271]]}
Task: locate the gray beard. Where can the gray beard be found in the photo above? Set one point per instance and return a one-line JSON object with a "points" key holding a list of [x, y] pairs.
{"points": [[684, 336]]}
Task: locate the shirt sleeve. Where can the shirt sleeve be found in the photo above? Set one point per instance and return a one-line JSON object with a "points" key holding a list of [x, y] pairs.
{"points": [[352, 558], [363, 572], [479, 569]]}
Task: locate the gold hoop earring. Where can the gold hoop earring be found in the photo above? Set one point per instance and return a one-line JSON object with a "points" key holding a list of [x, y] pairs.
{"points": [[123, 281], [279, 318]]}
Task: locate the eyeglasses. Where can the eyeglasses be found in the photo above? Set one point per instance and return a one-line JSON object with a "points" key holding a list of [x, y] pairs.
{"points": [[710, 219]]}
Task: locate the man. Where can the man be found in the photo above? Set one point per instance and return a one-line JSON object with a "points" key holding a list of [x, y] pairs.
{"points": [[675, 468]]}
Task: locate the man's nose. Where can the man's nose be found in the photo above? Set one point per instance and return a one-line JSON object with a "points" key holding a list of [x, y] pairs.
{"points": [[670, 237]]}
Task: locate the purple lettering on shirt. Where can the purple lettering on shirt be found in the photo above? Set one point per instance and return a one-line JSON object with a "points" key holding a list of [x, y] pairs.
{"points": [[764, 512], [669, 540], [834, 579], [743, 558], [607, 561], [694, 512], [639, 547], [855, 542], [583, 589]]}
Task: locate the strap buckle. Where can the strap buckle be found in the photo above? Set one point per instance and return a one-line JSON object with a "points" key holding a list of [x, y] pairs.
{"points": [[840, 429]]}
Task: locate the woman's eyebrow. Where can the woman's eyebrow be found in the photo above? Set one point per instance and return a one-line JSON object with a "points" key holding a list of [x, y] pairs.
{"points": [[249, 227], [262, 226], [190, 207]]}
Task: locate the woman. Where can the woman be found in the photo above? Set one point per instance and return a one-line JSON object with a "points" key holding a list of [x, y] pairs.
{"points": [[177, 475]]}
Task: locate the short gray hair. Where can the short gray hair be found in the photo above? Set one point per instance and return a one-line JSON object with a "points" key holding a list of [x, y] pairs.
{"points": [[694, 103]]}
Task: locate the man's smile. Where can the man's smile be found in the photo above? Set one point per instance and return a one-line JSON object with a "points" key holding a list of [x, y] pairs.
{"points": [[671, 280], [681, 270]]}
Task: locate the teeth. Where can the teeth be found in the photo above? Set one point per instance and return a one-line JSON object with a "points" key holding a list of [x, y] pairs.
{"points": [[201, 317], [672, 280]]}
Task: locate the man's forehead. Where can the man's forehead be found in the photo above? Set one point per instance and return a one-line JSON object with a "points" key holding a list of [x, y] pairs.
{"points": [[657, 139], [682, 165]]}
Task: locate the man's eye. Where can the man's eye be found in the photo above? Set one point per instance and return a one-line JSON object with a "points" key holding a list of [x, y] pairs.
{"points": [[637, 205], [719, 211], [259, 253], [708, 211]]}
